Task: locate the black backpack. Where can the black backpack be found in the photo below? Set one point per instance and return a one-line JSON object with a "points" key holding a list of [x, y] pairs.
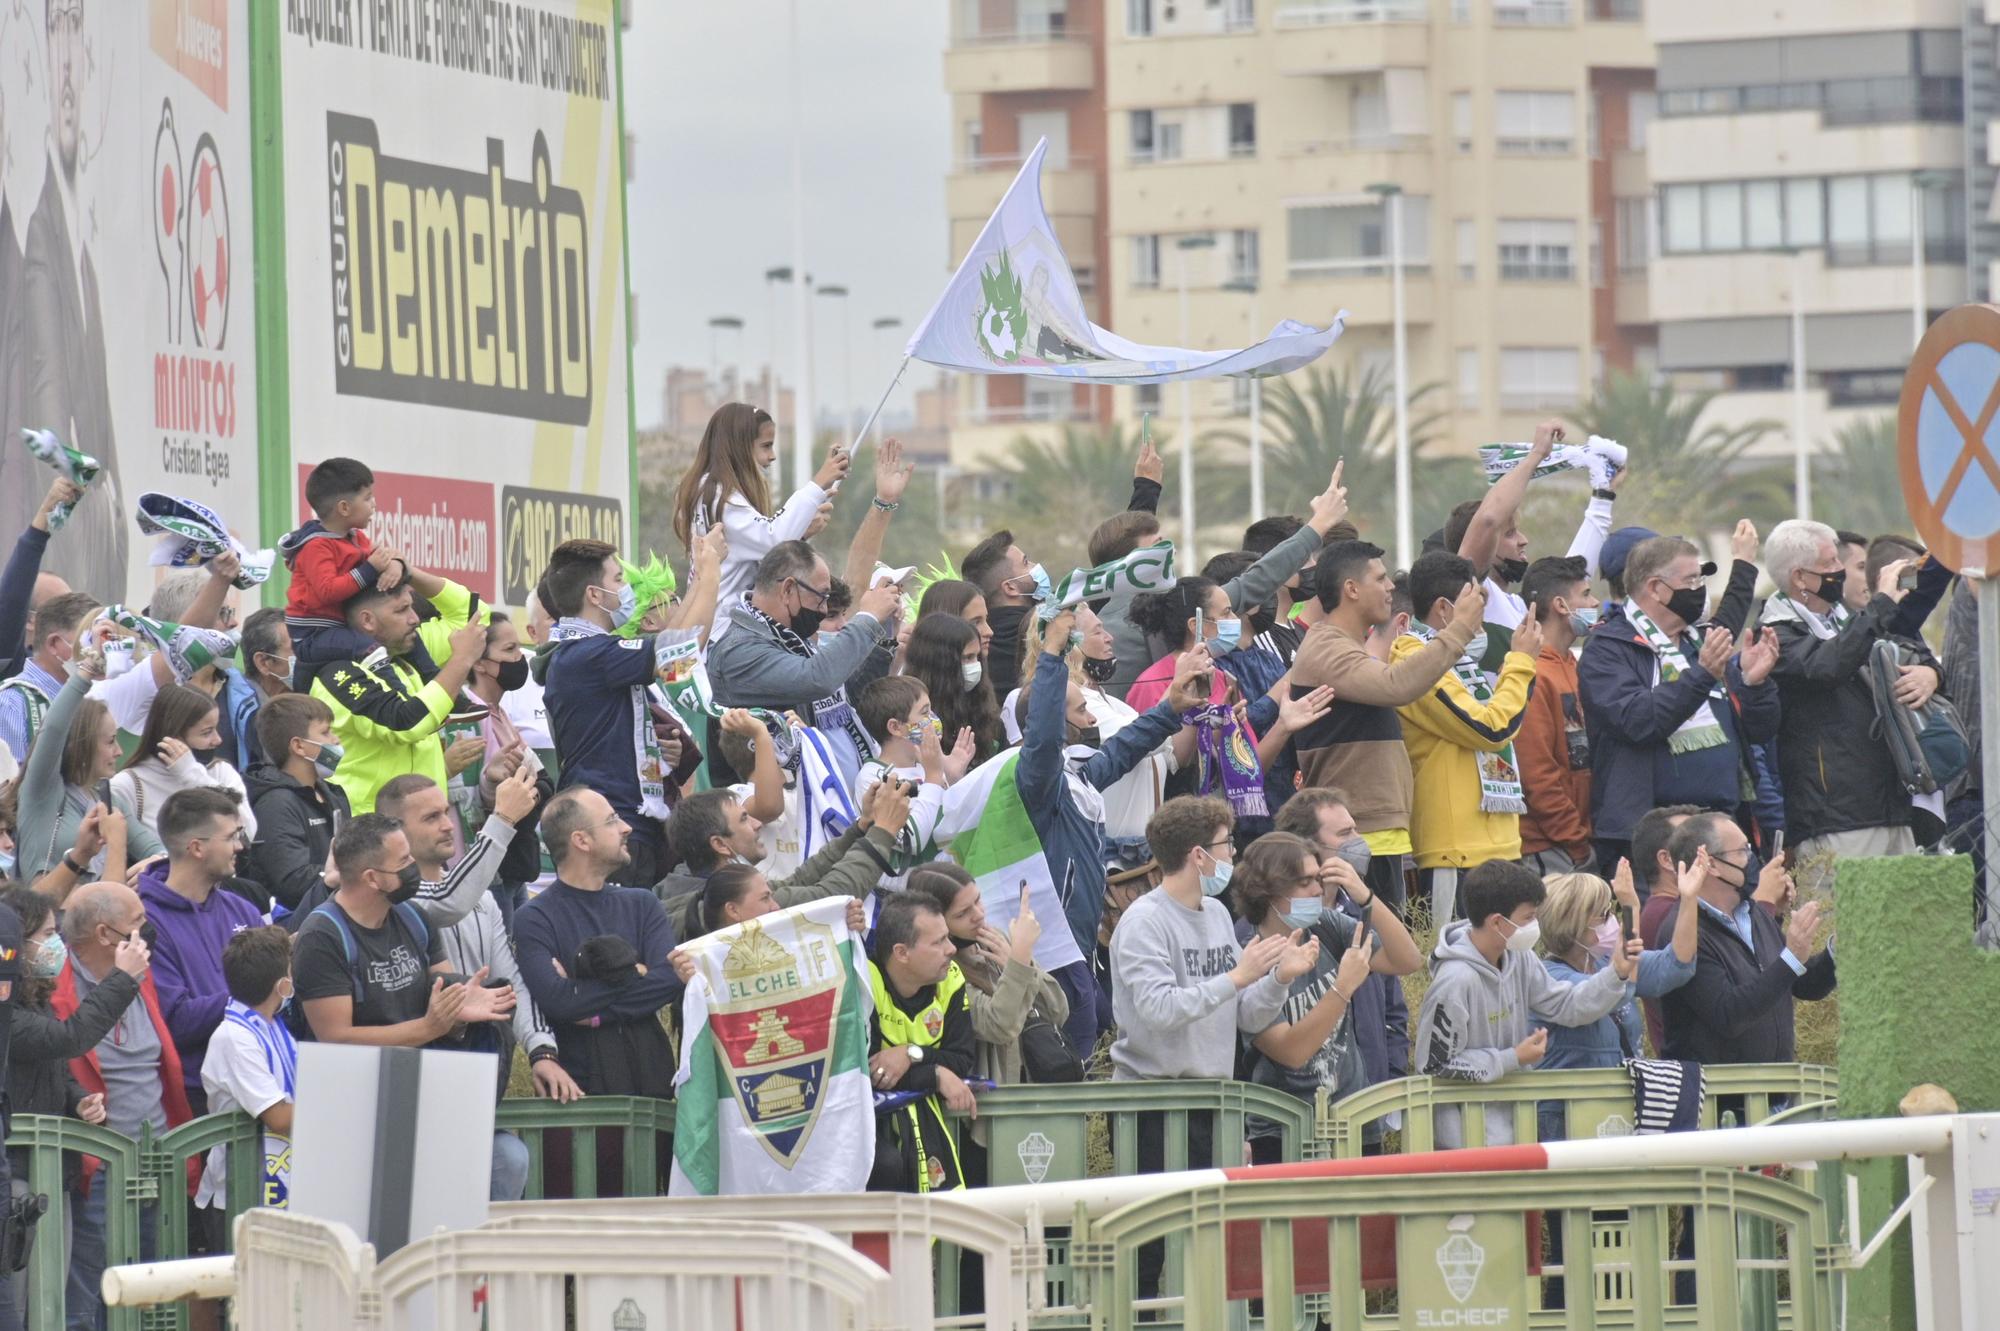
{"points": [[1928, 743]]}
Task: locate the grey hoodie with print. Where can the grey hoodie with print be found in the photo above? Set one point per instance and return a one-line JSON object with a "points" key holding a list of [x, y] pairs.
{"points": [[1475, 1013]]}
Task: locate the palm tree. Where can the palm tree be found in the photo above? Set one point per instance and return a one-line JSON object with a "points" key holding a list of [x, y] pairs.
{"points": [[1858, 486], [1342, 414], [1685, 477], [1060, 489]]}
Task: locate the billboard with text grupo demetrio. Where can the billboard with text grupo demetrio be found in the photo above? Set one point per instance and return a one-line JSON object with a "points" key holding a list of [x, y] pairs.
{"points": [[454, 237]]}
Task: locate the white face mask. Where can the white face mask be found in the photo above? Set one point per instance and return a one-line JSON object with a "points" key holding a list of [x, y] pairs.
{"points": [[972, 672], [1525, 936]]}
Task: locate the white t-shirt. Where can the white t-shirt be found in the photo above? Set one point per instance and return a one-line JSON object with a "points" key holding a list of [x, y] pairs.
{"points": [[237, 1073], [779, 837]]}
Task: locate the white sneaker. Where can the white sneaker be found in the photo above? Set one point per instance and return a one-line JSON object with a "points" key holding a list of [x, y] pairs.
{"points": [[1607, 459]]}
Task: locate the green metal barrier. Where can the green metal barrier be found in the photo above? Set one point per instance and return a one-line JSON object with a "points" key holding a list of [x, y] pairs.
{"points": [[1462, 1254], [638, 1120], [1045, 1133], [1597, 1102]]}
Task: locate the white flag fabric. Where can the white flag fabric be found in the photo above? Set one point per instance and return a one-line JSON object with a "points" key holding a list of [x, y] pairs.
{"points": [[1012, 308], [773, 1089]]}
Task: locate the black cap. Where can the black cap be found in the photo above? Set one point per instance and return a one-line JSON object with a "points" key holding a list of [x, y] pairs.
{"points": [[10, 944]]}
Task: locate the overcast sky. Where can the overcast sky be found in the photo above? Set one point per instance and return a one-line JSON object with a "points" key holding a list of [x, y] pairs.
{"points": [[708, 100]]}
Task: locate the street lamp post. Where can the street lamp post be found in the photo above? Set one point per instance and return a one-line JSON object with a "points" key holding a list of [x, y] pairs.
{"points": [[772, 277], [1249, 287], [882, 325], [802, 432], [1187, 559], [846, 357], [716, 326], [1921, 184], [1392, 206], [1801, 449]]}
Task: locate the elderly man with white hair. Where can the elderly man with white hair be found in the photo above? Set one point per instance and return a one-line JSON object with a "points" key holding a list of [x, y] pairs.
{"points": [[1842, 794]]}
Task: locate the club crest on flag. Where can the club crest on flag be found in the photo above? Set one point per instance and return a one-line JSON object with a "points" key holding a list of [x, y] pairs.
{"points": [[773, 1021]]}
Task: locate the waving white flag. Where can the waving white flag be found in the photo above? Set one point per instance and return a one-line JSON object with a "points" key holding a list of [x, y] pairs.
{"points": [[1012, 308]]}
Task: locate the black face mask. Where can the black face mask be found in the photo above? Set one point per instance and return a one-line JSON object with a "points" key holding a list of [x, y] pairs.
{"points": [[206, 756], [1688, 604], [512, 674], [1510, 570], [408, 880], [1100, 672], [1831, 585], [1752, 867], [1089, 735], [806, 622]]}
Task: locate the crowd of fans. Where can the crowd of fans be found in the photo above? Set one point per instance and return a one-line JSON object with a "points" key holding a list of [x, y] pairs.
{"points": [[389, 815]]}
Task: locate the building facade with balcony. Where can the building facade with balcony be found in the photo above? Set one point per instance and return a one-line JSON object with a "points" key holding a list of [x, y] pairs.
{"points": [[1814, 156], [1265, 130]]}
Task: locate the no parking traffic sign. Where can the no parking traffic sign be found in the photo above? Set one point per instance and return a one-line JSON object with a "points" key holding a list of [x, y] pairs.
{"points": [[1948, 438]]}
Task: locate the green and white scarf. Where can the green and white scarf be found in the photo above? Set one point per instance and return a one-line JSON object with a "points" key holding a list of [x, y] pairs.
{"points": [[1701, 730], [1499, 774]]}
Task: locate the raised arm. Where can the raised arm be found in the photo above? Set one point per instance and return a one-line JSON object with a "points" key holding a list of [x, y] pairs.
{"points": [[1503, 501], [892, 476]]}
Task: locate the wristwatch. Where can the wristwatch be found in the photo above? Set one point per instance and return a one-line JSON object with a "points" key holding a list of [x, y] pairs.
{"points": [[916, 1052], [73, 866]]}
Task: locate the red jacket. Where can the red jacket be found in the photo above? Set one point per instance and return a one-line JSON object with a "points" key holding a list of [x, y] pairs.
{"points": [[90, 1073], [326, 571]]}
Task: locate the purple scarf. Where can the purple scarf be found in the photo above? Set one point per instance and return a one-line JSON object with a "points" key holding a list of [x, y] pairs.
{"points": [[1228, 760]]}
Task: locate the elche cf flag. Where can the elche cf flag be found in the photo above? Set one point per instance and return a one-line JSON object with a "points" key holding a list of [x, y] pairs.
{"points": [[1012, 308], [772, 1093]]}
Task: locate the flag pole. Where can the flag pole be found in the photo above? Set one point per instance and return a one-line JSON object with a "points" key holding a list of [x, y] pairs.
{"points": [[882, 402]]}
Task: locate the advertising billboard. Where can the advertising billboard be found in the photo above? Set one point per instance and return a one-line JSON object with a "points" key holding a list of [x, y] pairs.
{"points": [[455, 272], [127, 288]]}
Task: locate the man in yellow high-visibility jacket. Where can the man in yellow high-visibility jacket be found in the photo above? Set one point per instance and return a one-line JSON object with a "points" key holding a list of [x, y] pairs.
{"points": [[923, 1042], [387, 709]]}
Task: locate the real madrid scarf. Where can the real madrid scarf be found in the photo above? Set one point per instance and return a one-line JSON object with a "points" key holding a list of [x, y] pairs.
{"points": [[1701, 730], [1228, 760], [1499, 774]]}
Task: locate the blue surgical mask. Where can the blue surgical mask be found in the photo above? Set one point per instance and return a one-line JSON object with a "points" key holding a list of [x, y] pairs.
{"points": [[628, 606], [1228, 634], [1215, 884], [1581, 622], [50, 954], [827, 637], [1044, 589], [8, 859], [1304, 914]]}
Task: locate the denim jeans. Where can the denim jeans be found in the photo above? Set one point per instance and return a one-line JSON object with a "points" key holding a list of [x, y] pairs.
{"points": [[510, 1168], [87, 1255]]}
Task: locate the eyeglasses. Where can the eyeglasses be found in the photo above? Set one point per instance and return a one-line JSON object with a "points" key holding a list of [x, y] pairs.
{"points": [[821, 596]]}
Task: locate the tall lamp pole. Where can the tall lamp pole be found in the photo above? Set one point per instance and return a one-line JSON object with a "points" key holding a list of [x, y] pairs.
{"points": [[802, 433], [846, 357], [772, 278], [1187, 557], [1801, 448], [1392, 206], [882, 325], [1249, 287]]}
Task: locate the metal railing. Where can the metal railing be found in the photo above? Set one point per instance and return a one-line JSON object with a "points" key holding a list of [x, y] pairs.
{"points": [[1534, 14], [1365, 142], [983, 162], [1887, 99], [1315, 13]]}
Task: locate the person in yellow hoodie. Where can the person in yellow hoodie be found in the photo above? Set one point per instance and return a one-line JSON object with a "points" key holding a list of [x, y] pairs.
{"points": [[1460, 736]]}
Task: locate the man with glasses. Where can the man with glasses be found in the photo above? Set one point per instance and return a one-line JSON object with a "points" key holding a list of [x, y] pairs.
{"points": [[202, 829], [1749, 967], [1670, 709], [772, 657]]}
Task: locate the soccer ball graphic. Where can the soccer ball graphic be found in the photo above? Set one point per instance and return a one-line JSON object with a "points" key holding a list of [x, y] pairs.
{"points": [[209, 257]]}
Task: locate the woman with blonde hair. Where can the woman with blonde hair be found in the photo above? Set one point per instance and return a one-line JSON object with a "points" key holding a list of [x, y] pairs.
{"points": [[1580, 928], [725, 487]]}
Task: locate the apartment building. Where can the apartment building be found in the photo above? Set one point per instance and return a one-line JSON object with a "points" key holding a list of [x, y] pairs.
{"points": [[1816, 154], [1239, 154]]}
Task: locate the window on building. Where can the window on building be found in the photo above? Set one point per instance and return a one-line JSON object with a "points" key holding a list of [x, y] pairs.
{"points": [[1539, 378], [1145, 261], [1167, 145], [1049, 399], [1763, 215], [1461, 121], [1597, 252], [1639, 104], [1847, 215], [1860, 219], [1468, 378], [1805, 213], [1466, 231], [1138, 18], [1034, 126], [975, 141], [1534, 122], [1243, 129], [1722, 216], [1239, 396], [1368, 112], [1537, 249], [1593, 124], [1348, 237], [1243, 256], [1632, 221], [1141, 123], [1146, 397], [1240, 16]]}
